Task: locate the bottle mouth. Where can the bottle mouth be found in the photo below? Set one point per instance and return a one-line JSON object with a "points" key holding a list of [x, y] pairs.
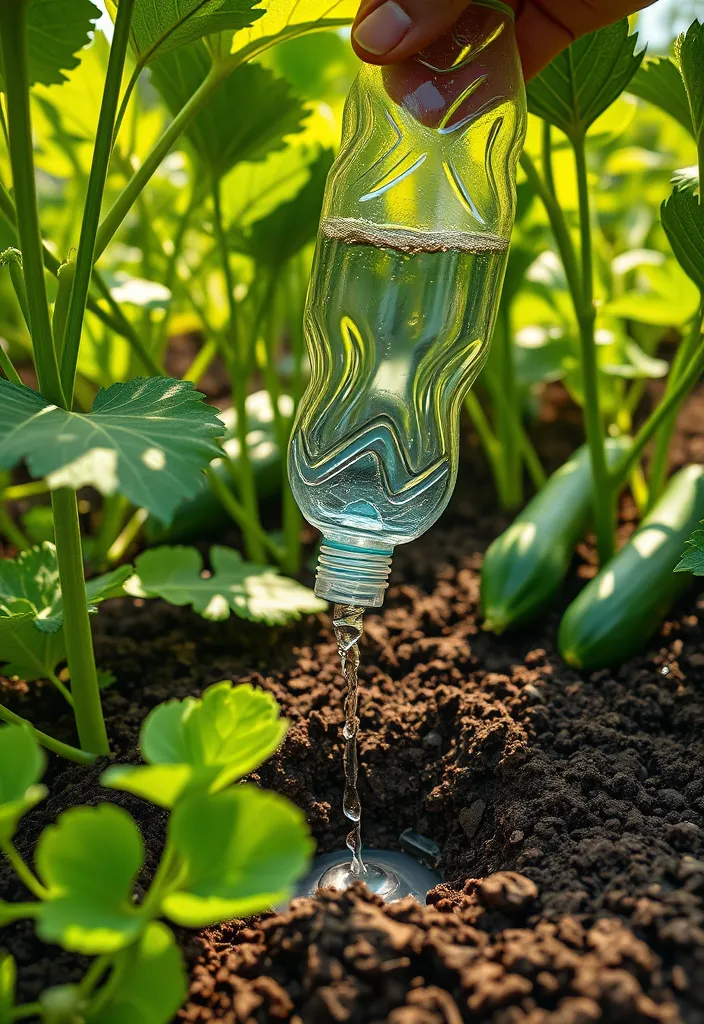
{"points": [[354, 575]]}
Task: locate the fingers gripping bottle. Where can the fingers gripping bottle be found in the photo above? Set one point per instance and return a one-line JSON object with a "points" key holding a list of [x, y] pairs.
{"points": [[406, 281]]}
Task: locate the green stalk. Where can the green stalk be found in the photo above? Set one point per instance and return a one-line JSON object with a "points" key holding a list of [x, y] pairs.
{"points": [[77, 632], [228, 501], [602, 498], [17, 278], [13, 40], [96, 186], [659, 464], [126, 329], [125, 201], [7, 367], [237, 361], [200, 364], [117, 550], [489, 442], [9, 529], [114, 509], [26, 877], [547, 158], [16, 492], [67, 274], [55, 746], [558, 225], [669, 403], [27, 1009], [509, 412]]}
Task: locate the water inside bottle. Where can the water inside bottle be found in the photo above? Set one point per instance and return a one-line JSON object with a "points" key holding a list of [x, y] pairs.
{"points": [[400, 323]]}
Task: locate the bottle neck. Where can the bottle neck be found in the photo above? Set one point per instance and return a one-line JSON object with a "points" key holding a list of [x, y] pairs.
{"points": [[353, 574]]}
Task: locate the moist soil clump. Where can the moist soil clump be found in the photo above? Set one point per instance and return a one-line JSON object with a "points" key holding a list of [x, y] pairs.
{"points": [[568, 807]]}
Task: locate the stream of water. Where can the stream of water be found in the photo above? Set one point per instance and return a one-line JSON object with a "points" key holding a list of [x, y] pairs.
{"points": [[349, 627]]}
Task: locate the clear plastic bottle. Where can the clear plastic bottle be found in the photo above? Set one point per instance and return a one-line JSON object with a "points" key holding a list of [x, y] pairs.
{"points": [[406, 281]]}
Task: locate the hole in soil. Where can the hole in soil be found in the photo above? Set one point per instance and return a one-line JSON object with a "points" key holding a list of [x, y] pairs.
{"points": [[390, 875]]}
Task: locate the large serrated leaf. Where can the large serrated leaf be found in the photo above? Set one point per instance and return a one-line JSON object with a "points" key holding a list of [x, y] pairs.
{"points": [[56, 31], [253, 592], [148, 439], [658, 81], [22, 763], [241, 852], [210, 742], [693, 558], [161, 27], [683, 220], [88, 862], [267, 110], [585, 79], [153, 982], [286, 19], [689, 52]]}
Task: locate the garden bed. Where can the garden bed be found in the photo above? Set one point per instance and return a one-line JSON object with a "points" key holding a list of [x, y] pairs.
{"points": [[589, 787]]}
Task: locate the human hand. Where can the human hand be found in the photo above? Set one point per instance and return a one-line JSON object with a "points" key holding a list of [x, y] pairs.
{"points": [[387, 31]]}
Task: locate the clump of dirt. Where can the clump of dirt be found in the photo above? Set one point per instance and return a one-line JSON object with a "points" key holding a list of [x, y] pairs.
{"points": [[584, 793]]}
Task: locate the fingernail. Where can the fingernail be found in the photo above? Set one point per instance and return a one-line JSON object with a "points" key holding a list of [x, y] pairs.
{"points": [[383, 29]]}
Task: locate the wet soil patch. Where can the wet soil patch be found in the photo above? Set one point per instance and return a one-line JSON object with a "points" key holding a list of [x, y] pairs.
{"points": [[569, 808]]}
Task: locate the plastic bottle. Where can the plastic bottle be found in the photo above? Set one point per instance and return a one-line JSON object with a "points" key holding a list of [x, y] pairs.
{"points": [[406, 281]]}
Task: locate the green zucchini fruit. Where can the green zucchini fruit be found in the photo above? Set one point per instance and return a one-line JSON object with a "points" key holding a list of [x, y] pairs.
{"points": [[619, 610], [524, 568]]}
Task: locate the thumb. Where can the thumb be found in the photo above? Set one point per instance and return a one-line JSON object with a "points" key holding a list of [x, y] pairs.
{"points": [[387, 31]]}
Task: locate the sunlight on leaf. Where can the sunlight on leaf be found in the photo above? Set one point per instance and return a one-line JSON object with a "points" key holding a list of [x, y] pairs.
{"points": [[56, 31], [683, 220], [115, 447], [658, 81], [285, 19], [22, 764], [88, 861], [242, 850], [254, 592], [689, 53]]}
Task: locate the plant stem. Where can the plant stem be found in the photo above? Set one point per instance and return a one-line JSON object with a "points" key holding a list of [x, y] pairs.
{"points": [[227, 499], [94, 975], [509, 412], [7, 367], [547, 158], [17, 278], [13, 40], [117, 550], [126, 329], [200, 364], [55, 746], [602, 497], [26, 1010], [237, 365], [63, 690], [67, 274], [489, 442], [26, 877], [558, 225], [96, 186], [671, 402], [17, 492], [657, 471], [124, 202], [77, 632]]}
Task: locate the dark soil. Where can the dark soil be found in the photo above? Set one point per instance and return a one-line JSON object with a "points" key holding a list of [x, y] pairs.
{"points": [[569, 808]]}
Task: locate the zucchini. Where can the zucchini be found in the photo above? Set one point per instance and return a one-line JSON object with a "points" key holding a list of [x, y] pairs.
{"points": [[619, 610], [524, 568], [203, 515]]}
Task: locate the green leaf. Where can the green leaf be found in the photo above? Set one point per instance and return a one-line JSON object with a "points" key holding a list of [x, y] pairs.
{"points": [[274, 239], [56, 30], [585, 79], [689, 53], [683, 220], [658, 81], [152, 982], [8, 980], [29, 654], [286, 19], [159, 28], [148, 439], [253, 592], [212, 741], [267, 110], [241, 851], [22, 764], [88, 861], [693, 558]]}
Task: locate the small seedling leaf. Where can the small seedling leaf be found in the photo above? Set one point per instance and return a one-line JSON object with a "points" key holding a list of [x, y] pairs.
{"points": [[22, 764], [148, 439], [88, 862], [241, 850], [159, 28], [693, 558], [253, 592], [286, 19], [683, 220], [585, 79], [276, 238], [56, 31], [8, 980], [267, 110], [153, 982], [658, 81], [210, 742], [689, 53]]}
